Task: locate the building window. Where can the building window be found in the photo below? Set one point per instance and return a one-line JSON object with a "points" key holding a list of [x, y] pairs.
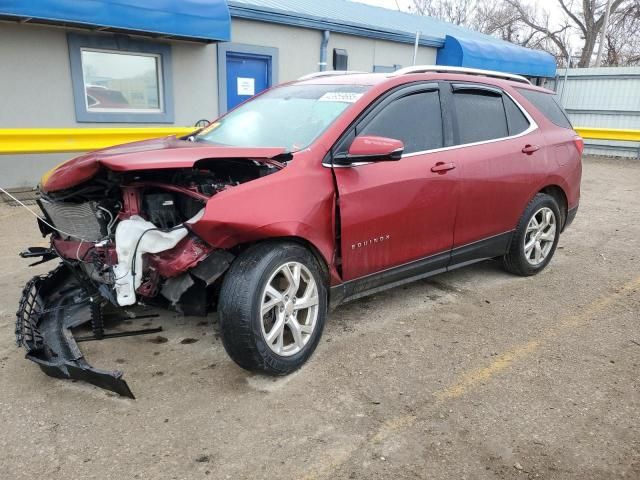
{"points": [[386, 68], [121, 81], [116, 79]]}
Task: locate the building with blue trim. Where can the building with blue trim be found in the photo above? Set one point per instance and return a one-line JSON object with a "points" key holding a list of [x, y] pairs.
{"points": [[101, 63]]}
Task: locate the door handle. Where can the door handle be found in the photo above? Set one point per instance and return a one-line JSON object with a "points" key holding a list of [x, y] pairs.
{"points": [[529, 149], [442, 167]]}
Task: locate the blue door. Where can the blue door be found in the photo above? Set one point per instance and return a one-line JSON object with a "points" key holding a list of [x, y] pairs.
{"points": [[247, 75]]}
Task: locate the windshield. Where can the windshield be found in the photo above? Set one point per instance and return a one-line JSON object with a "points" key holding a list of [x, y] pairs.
{"points": [[291, 117]]}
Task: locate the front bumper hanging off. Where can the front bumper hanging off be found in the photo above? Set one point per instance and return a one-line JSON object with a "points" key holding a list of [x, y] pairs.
{"points": [[52, 305]]}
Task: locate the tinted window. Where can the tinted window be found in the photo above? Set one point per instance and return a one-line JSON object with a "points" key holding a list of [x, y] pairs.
{"points": [[480, 115], [516, 120], [414, 119], [547, 106]]}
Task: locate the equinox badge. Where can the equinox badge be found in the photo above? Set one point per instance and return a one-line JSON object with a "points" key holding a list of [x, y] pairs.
{"points": [[371, 241]]}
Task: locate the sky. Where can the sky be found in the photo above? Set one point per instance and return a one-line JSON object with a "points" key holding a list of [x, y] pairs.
{"points": [[387, 3], [403, 4]]}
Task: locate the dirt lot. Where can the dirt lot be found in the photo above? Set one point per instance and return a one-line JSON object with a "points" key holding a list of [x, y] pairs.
{"points": [[474, 374]]}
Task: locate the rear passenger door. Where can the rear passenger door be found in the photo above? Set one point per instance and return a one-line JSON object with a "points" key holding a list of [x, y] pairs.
{"points": [[498, 150]]}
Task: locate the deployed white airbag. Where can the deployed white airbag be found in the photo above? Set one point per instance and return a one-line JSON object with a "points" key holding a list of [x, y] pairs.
{"points": [[128, 233]]}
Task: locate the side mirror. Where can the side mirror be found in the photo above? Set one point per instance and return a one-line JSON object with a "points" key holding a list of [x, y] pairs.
{"points": [[372, 149]]}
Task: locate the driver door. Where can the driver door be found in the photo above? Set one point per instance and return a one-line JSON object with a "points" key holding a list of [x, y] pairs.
{"points": [[398, 213]]}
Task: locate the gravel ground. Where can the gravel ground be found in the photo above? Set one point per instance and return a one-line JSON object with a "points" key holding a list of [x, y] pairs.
{"points": [[474, 374]]}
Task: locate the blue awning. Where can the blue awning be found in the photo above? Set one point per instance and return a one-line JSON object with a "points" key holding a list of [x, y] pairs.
{"points": [[204, 20], [499, 56]]}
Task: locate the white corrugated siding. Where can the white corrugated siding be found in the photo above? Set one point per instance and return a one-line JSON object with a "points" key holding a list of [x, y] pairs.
{"points": [[603, 98]]}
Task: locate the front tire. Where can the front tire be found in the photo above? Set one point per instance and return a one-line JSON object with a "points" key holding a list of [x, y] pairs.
{"points": [[536, 237], [272, 308]]}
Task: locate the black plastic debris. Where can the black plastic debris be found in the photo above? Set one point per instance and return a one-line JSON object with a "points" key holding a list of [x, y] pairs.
{"points": [[50, 307]]}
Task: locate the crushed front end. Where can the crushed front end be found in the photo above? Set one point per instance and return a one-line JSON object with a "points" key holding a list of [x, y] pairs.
{"points": [[122, 239]]}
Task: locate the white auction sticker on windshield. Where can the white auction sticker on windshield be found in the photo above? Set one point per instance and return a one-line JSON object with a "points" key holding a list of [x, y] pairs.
{"points": [[345, 97]]}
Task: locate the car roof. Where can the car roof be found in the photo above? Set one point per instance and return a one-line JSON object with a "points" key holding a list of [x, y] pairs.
{"points": [[371, 79], [347, 79]]}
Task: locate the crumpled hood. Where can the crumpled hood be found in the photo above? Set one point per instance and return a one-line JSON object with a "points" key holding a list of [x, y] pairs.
{"points": [[159, 153]]}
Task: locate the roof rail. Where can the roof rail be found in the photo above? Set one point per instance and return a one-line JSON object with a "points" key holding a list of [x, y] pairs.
{"points": [[328, 73], [462, 70]]}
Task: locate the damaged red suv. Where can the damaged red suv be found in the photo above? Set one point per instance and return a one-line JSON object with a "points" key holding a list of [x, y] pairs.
{"points": [[310, 194]]}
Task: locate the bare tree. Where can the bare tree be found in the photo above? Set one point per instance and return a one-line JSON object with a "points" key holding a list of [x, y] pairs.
{"points": [[458, 12], [493, 18], [587, 17], [623, 38], [499, 20], [519, 21]]}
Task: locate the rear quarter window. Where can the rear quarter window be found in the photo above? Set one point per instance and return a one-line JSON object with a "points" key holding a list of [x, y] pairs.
{"points": [[516, 120], [547, 106]]}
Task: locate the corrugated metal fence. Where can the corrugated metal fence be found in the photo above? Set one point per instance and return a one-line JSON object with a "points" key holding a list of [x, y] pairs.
{"points": [[602, 98]]}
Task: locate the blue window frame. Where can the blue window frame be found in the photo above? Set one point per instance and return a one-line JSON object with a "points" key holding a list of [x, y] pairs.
{"points": [[119, 80]]}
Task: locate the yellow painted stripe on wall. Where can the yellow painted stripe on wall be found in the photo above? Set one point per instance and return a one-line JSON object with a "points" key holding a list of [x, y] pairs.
{"points": [[57, 140], [609, 134]]}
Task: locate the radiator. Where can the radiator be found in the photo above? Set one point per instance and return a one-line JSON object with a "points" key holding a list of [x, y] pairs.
{"points": [[77, 220]]}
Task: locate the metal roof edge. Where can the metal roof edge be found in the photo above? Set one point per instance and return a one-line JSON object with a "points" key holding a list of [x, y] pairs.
{"points": [[318, 23], [91, 28], [174, 20], [601, 72]]}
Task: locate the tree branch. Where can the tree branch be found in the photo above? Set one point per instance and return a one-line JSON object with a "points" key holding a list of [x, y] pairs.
{"points": [[573, 16], [530, 23]]}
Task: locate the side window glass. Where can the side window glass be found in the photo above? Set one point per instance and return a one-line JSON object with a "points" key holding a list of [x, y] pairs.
{"points": [[480, 115], [547, 105], [415, 119], [516, 120]]}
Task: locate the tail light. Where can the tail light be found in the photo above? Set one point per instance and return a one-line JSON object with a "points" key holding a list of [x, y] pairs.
{"points": [[579, 143]]}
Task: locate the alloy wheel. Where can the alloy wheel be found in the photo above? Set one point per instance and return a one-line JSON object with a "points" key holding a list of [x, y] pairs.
{"points": [[289, 309], [540, 236]]}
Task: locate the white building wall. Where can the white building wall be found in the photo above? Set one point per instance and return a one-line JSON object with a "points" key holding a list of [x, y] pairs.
{"points": [[364, 53], [195, 82], [35, 78], [298, 48]]}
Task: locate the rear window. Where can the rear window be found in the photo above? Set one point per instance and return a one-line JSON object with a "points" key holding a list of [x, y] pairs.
{"points": [[480, 116], [547, 106]]}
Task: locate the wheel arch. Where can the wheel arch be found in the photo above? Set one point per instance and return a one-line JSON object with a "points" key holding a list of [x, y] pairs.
{"points": [[560, 196], [329, 275], [315, 251]]}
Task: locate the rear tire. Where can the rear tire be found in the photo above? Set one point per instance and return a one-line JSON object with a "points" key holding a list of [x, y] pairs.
{"points": [[536, 237], [272, 308]]}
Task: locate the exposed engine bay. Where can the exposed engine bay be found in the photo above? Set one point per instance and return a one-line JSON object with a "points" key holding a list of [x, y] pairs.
{"points": [[123, 238]]}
